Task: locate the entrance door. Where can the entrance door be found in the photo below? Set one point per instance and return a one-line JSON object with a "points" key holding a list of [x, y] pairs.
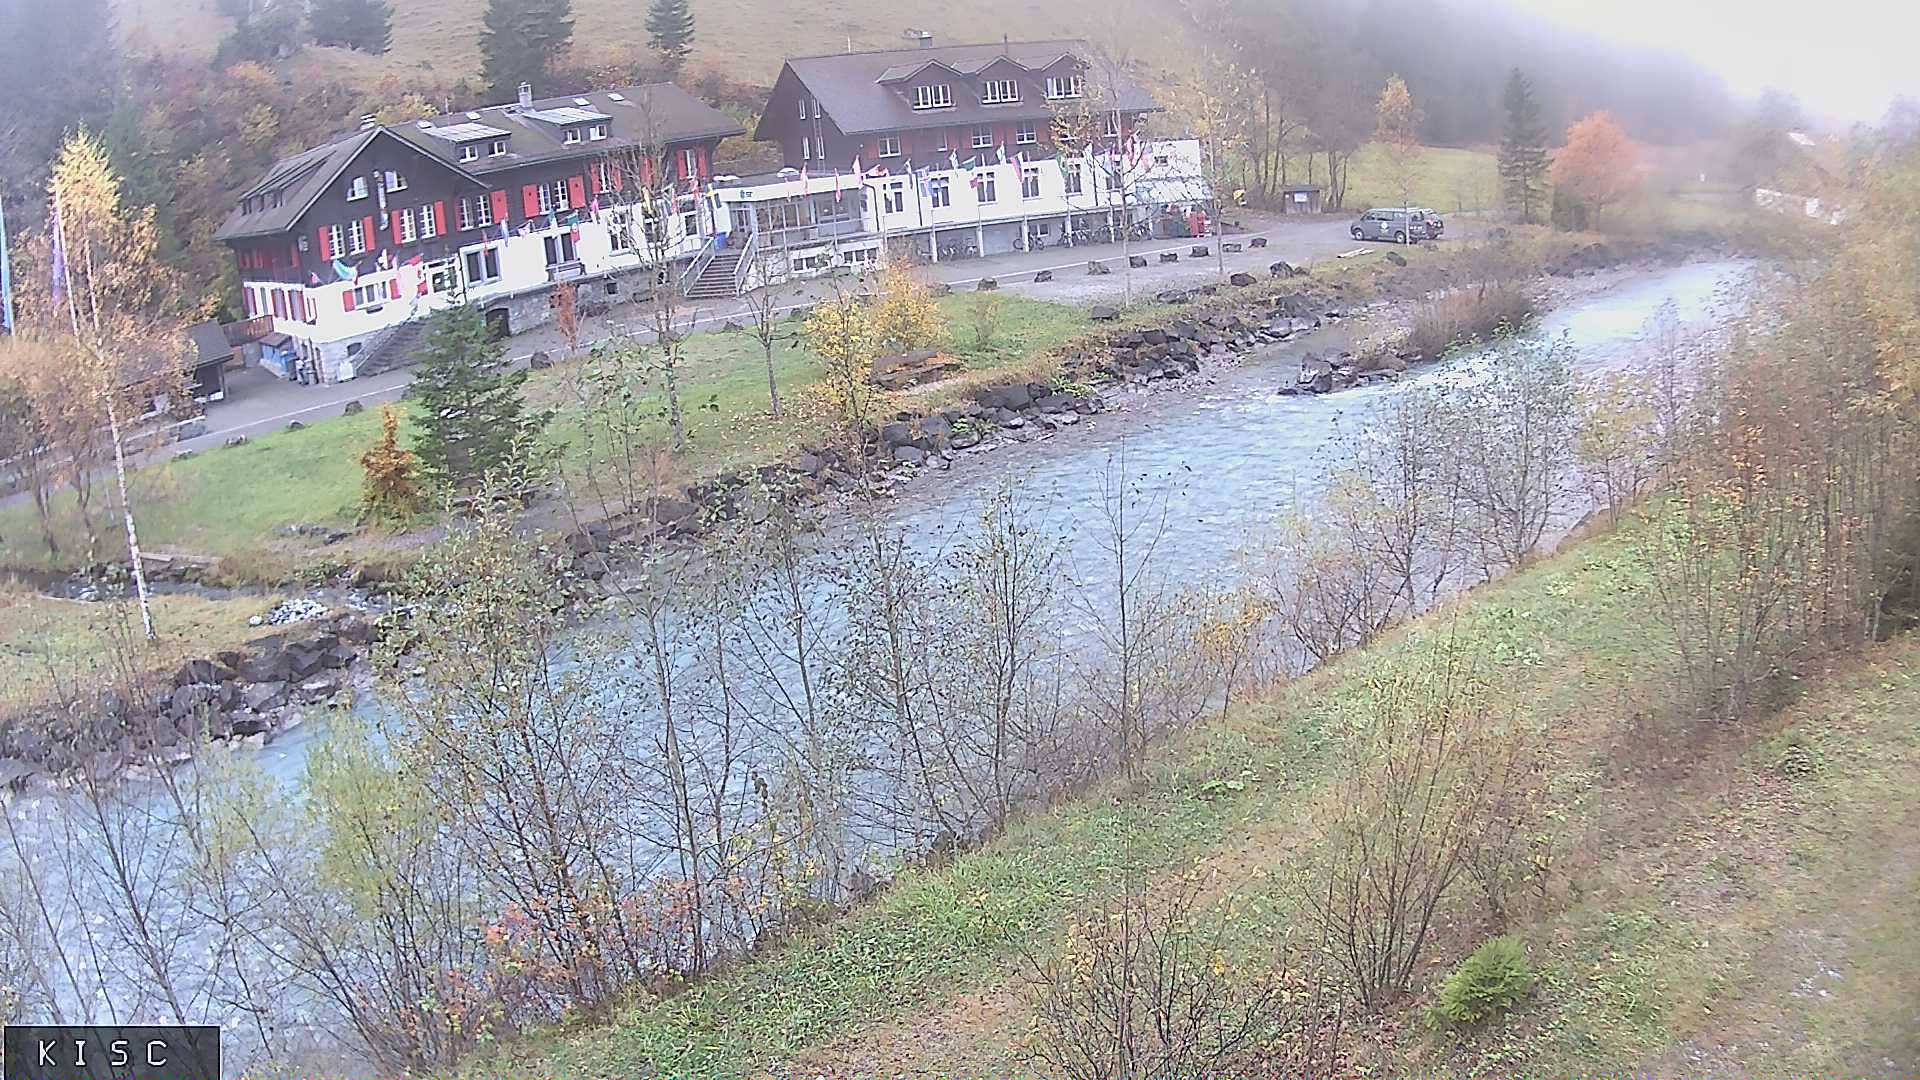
{"points": [[742, 219]]}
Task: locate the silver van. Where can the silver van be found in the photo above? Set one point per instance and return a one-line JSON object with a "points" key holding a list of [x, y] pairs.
{"points": [[1398, 224]]}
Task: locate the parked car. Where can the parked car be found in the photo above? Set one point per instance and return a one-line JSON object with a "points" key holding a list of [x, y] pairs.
{"points": [[1435, 226], [1399, 224]]}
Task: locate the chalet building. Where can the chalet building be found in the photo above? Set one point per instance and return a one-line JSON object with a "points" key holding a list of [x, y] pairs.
{"points": [[345, 244], [946, 151]]}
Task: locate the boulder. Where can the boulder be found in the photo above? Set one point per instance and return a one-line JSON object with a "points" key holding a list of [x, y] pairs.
{"points": [[295, 425], [1171, 296], [808, 464], [1316, 376], [352, 408], [540, 361], [730, 326], [909, 455], [1230, 248], [1095, 266], [1154, 336], [264, 696], [965, 438], [940, 288], [800, 313], [1137, 261], [937, 430], [268, 664], [244, 726], [319, 688], [1103, 313], [987, 284], [1200, 251], [898, 433], [201, 671], [1258, 241], [670, 511], [1056, 403], [1010, 398], [1043, 275], [592, 565], [1283, 269], [1169, 256], [237, 440], [1396, 258], [1241, 279]]}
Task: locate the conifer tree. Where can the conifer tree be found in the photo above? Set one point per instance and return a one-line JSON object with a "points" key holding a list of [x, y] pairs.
{"points": [[1523, 152], [365, 25], [473, 417], [519, 39], [670, 31]]}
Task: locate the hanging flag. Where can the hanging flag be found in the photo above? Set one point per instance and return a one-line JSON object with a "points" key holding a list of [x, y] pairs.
{"points": [[857, 170], [803, 179], [836, 183], [313, 279], [344, 271], [505, 233], [1001, 150], [953, 156], [57, 262], [908, 167]]}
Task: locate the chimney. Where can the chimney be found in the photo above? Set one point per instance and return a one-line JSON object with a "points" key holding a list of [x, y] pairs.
{"points": [[526, 95], [369, 121], [926, 39]]}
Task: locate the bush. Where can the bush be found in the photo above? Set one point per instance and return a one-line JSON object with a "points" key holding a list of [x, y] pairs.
{"points": [[1468, 315], [1492, 980]]}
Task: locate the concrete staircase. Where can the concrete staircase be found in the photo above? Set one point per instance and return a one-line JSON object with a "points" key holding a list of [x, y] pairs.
{"points": [[394, 348], [716, 281]]}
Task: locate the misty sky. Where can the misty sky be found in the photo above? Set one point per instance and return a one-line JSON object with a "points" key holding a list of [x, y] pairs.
{"points": [[1844, 59]]}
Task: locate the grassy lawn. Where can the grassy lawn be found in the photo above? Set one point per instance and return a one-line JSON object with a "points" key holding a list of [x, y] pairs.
{"points": [[1697, 883], [1444, 178], [234, 502], [45, 643]]}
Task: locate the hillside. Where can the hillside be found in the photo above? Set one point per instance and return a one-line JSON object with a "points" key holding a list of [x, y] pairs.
{"points": [[1719, 900], [747, 39]]}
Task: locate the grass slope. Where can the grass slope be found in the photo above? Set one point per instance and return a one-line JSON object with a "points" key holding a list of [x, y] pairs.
{"points": [[1735, 900], [747, 39], [1447, 179]]}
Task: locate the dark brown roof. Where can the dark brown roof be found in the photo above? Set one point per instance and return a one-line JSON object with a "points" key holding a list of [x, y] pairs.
{"points": [[862, 91], [655, 114]]}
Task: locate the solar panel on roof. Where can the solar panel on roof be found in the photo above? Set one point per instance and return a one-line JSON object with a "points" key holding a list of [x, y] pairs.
{"points": [[582, 101], [466, 132]]}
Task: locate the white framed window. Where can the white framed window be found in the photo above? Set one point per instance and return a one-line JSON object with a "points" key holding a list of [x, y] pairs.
{"points": [[999, 92], [1065, 86], [1070, 178], [570, 136], [1030, 182], [982, 137], [803, 108], [1026, 133], [603, 176], [806, 148], [939, 192], [937, 96], [335, 244], [690, 161], [894, 198], [1112, 120], [620, 231], [395, 181], [597, 132], [367, 296], [409, 226], [499, 148], [482, 264], [469, 151], [476, 211], [889, 146], [1113, 177], [946, 141], [559, 248], [984, 188], [356, 188], [356, 237], [441, 277], [553, 196], [429, 225]]}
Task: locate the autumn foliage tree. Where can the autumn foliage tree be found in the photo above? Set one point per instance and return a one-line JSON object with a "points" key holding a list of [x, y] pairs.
{"points": [[390, 486], [1598, 166], [1397, 119]]}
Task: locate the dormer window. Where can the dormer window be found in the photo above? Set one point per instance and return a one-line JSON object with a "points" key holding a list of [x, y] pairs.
{"points": [[356, 188], [596, 132], [470, 152], [939, 96], [889, 146], [395, 182], [499, 148], [1065, 86], [999, 92], [571, 136]]}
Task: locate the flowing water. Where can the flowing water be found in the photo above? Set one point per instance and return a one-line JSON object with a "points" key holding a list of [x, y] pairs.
{"points": [[1226, 460]]}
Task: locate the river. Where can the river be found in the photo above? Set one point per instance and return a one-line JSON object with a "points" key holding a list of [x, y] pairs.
{"points": [[1226, 457]]}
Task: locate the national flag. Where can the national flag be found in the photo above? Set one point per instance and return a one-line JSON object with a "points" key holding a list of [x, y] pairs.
{"points": [[953, 156], [345, 271], [803, 179], [836, 183], [1001, 150], [505, 233], [857, 170], [313, 279]]}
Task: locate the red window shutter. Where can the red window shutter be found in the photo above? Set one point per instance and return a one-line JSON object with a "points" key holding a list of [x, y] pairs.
{"points": [[576, 236], [293, 255], [440, 219], [576, 191], [530, 200], [702, 162], [500, 208], [619, 178], [366, 230], [246, 301], [646, 172], [325, 251], [396, 226], [346, 298], [393, 288]]}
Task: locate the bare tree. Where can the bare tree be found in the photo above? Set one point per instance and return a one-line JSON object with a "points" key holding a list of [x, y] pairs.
{"points": [[1512, 434], [763, 306]]}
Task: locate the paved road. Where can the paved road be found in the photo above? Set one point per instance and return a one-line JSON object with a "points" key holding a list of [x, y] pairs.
{"points": [[258, 403]]}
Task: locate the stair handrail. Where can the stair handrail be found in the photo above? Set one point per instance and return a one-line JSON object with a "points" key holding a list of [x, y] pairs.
{"points": [[745, 265], [699, 265]]}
